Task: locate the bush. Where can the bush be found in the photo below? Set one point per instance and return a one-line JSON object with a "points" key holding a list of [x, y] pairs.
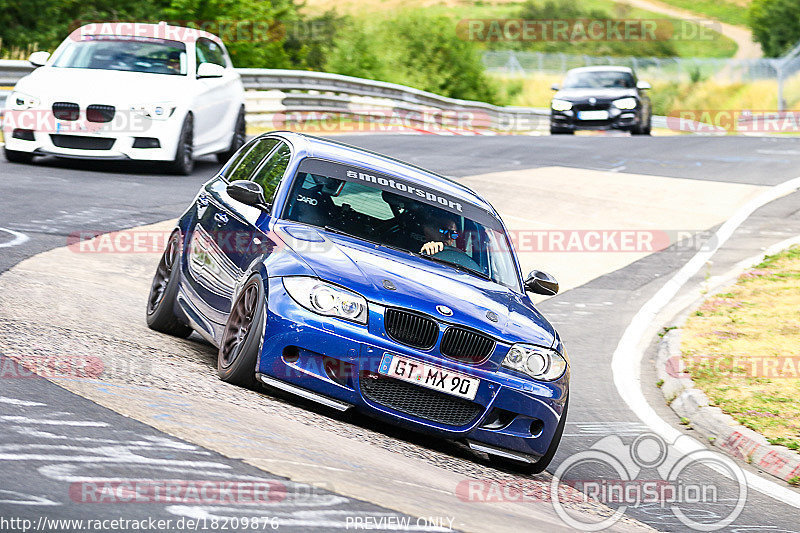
{"points": [[413, 49], [775, 25]]}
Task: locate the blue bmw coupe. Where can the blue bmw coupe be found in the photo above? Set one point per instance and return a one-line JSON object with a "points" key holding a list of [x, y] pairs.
{"points": [[361, 282]]}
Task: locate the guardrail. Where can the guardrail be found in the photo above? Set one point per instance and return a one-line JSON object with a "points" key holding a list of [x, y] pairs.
{"points": [[276, 98], [295, 99]]}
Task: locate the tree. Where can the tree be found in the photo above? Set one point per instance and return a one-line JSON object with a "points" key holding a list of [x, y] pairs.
{"points": [[775, 25]]}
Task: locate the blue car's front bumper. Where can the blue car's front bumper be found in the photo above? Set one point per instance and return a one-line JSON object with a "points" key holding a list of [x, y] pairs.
{"points": [[335, 358]]}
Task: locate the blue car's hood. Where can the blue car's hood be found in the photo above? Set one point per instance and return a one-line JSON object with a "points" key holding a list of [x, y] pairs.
{"points": [[420, 284]]}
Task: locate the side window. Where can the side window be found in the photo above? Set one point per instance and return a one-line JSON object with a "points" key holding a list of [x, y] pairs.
{"points": [[242, 166], [208, 51], [271, 172]]}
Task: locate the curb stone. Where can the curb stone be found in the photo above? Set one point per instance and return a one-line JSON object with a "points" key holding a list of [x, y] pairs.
{"points": [[720, 429]]}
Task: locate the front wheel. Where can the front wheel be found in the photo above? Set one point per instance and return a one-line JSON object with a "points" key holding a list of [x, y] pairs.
{"points": [[183, 164], [643, 128], [15, 156], [243, 335], [164, 291], [544, 461]]}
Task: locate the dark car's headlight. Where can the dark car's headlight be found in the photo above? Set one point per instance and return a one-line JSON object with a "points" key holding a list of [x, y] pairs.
{"points": [[561, 105], [327, 299], [537, 362], [625, 103]]}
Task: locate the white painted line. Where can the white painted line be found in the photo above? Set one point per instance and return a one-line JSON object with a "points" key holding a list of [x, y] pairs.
{"points": [[627, 359], [78, 423], [14, 401], [19, 238]]}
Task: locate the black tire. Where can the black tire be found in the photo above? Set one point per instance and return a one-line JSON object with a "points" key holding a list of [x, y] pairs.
{"points": [[558, 131], [15, 156], [544, 461], [183, 164], [164, 291], [649, 127], [243, 335], [239, 137], [642, 129]]}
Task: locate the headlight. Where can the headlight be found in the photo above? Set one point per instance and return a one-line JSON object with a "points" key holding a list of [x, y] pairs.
{"points": [[561, 105], [327, 299], [539, 363], [625, 103], [157, 111], [18, 100]]}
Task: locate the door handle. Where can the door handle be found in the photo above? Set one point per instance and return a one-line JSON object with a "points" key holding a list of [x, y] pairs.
{"points": [[221, 218]]}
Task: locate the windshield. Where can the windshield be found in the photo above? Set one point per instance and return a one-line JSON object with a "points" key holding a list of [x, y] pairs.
{"points": [[134, 54], [599, 79], [422, 222]]}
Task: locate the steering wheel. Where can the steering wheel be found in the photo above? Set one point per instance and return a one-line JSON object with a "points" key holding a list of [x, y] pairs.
{"points": [[453, 255]]}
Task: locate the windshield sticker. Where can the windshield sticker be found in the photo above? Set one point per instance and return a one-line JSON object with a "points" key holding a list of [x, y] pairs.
{"points": [[404, 188]]}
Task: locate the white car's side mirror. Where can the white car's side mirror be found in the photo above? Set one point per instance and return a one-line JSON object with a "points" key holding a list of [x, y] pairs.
{"points": [[210, 70], [643, 85], [38, 59]]}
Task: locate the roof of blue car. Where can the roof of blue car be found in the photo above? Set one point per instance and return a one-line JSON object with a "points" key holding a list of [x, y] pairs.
{"points": [[360, 157]]}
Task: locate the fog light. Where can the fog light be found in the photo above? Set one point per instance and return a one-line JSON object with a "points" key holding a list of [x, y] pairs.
{"points": [[146, 142], [22, 134]]}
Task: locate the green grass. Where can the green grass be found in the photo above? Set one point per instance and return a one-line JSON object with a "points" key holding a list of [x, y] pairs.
{"points": [[741, 349], [717, 46], [721, 10]]}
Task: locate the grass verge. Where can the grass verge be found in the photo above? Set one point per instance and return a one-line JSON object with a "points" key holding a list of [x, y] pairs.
{"points": [[715, 45], [732, 12], [742, 348]]}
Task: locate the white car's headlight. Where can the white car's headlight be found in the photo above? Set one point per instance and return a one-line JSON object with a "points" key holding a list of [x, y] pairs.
{"points": [[625, 103], [21, 101], [156, 111], [539, 363], [561, 105], [327, 299]]}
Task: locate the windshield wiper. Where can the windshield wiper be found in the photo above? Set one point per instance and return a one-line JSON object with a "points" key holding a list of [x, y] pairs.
{"points": [[359, 237], [429, 257], [462, 268]]}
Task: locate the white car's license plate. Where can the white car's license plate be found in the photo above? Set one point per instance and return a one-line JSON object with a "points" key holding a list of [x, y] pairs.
{"points": [[592, 115], [430, 376]]}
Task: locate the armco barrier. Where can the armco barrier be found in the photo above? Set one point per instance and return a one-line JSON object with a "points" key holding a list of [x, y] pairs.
{"points": [[277, 98], [283, 92]]}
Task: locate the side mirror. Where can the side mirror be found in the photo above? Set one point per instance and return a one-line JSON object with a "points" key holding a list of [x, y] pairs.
{"points": [[541, 283], [39, 59], [247, 192], [555, 87], [210, 70], [643, 85]]}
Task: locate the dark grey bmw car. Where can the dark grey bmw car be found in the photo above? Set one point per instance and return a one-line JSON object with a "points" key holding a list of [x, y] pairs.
{"points": [[601, 98]]}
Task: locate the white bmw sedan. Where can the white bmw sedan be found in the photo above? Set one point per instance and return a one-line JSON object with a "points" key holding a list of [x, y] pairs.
{"points": [[128, 91]]}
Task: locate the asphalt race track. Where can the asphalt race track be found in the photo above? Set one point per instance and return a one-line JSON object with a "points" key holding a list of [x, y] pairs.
{"points": [[44, 203]]}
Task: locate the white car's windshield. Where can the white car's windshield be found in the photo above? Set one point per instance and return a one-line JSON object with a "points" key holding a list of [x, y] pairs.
{"points": [[134, 54], [388, 211]]}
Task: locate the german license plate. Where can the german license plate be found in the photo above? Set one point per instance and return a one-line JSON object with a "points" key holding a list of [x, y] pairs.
{"points": [[593, 115], [430, 376]]}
